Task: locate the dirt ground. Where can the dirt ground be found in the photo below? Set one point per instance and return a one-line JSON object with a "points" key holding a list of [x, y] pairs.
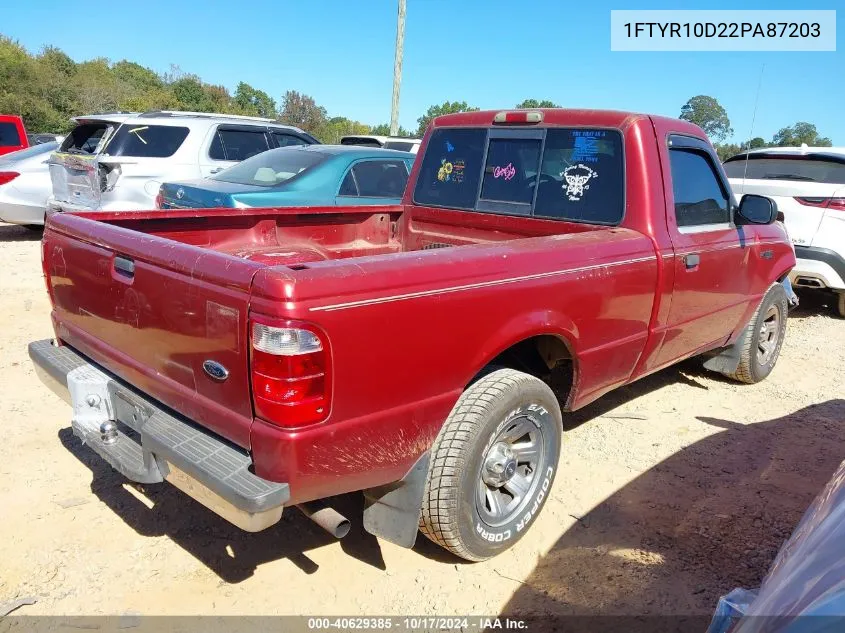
{"points": [[670, 493]]}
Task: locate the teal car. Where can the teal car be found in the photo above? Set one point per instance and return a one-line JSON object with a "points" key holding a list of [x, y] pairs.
{"points": [[302, 175]]}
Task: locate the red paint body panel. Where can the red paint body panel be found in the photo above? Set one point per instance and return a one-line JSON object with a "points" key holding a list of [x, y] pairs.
{"points": [[407, 325], [12, 142]]}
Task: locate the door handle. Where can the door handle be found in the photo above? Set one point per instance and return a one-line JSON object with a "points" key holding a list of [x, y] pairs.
{"points": [[214, 171], [692, 261], [125, 266]]}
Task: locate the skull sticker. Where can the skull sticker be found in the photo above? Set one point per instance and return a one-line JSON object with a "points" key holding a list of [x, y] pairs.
{"points": [[577, 180]]}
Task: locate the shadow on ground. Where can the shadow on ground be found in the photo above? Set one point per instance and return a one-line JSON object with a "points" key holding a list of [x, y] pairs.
{"points": [[16, 233], [706, 520], [228, 551], [814, 303], [234, 555]]}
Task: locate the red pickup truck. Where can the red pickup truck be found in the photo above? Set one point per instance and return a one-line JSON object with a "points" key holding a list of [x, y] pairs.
{"points": [[12, 134], [422, 353]]}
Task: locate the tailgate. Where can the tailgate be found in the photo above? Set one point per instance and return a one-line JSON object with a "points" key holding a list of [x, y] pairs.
{"points": [[152, 311]]}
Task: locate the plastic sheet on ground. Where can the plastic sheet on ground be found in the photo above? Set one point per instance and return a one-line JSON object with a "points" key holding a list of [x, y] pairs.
{"points": [[804, 591]]}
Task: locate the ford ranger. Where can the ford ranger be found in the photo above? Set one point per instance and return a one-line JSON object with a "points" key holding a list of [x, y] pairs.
{"points": [[423, 353]]}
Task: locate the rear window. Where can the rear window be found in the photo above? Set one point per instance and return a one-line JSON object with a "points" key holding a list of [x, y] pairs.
{"points": [[146, 141], [272, 168], [9, 136], [572, 174], [798, 168], [33, 150], [402, 146], [360, 140], [85, 138]]}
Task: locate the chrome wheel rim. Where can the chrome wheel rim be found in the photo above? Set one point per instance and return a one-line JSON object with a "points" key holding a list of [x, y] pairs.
{"points": [[769, 336], [509, 470]]}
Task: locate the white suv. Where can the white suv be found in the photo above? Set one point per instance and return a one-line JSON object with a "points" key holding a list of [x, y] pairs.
{"points": [[808, 185], [117, 162]]}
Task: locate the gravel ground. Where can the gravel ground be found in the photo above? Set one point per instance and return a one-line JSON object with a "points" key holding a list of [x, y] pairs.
{"points": [[670, 492]]}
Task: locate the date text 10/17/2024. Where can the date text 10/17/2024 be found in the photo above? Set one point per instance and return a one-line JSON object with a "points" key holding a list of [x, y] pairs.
{"points": [[418, 623]]}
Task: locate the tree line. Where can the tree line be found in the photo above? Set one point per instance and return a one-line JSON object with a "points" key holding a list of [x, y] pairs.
{"points": [[49, 87], [708, 114]]}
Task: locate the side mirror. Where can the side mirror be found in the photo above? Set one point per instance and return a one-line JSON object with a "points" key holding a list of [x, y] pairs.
{"points": [[756, 210]]}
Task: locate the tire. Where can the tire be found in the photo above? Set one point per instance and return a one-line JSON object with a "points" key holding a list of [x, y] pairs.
{"points": [[840, 304], [763, 338], [509, 421]]}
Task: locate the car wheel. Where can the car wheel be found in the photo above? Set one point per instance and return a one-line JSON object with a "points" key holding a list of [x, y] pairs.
{"points": [[763, 338], [840, 304], [492, 465]]}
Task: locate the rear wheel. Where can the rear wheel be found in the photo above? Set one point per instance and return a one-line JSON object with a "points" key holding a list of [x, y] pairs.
{"points": [[840, 304], [492, 465], [763, 338]]}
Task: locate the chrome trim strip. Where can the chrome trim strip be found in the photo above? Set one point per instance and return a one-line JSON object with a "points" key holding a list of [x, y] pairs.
{"points": [[483, 284]]}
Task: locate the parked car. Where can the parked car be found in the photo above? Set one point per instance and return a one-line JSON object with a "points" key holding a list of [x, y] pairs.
{"points": [[12, 134], [37, 139], [263, 358], [399, 143], [117, 162], [300, 176], [25, 185], [808, 184]]}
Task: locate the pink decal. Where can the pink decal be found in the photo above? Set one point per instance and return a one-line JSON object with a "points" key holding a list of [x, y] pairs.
{"points": [[508, 171]]}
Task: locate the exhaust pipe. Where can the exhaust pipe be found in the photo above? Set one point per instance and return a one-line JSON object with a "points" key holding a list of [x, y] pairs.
{"points": [[327, 518]]}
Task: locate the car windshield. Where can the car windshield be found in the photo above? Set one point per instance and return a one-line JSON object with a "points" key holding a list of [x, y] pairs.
{"points": [[272, 168], [773, 167]]}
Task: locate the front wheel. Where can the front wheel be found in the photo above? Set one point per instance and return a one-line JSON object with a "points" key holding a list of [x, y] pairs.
{"points": [[763, 338], [492, 465]]}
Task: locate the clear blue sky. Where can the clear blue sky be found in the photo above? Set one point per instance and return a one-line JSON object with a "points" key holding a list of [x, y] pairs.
{"points": [[490, 53]]}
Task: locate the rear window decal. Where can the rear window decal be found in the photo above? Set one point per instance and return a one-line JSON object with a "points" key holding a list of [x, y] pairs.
{"points": [[507, 172], [576, 181], [451, 171], [449, 147]]}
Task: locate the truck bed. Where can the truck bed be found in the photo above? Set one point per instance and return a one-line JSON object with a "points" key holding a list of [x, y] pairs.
{"points": [[194, 280], [294, 237]]}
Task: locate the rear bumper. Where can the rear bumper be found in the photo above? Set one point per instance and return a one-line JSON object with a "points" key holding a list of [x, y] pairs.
{"points": [[818, 268], [153, 444]]}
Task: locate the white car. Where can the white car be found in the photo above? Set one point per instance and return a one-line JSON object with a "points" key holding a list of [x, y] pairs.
{"points": [[117, 162], [808, 185], [25, 184], [398, 143]]}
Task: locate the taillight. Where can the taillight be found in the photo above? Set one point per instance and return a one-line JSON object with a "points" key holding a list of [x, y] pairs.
{"points": [[159, 200], [290, 373], [7, 176], [518, 117], [837, 204]]}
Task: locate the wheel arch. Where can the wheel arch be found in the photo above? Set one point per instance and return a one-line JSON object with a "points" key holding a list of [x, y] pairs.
{"points": [[536, 344]]}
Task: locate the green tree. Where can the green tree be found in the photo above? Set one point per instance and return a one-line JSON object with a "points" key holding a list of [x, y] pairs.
{"points": [[533, 103], [383, 129], [190, 94], [726, 150], [755, 143], [709, 115], [302, 111], [253, 101], [137, 76], [801, 132], [333, 129], [447, 107]]}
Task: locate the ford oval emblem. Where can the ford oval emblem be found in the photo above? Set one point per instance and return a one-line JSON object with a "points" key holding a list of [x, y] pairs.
{"points": [[215, 370], [180, 192]]}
